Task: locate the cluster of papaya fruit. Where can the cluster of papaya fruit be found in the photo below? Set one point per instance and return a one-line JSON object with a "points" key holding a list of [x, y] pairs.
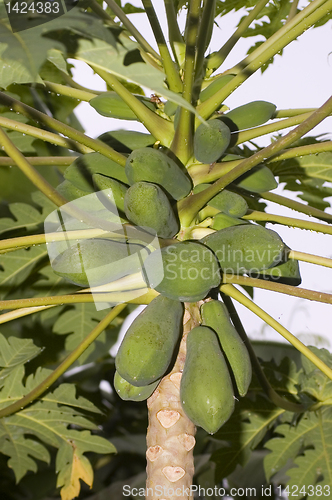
{"points": [[145, 194], [217, 362]]}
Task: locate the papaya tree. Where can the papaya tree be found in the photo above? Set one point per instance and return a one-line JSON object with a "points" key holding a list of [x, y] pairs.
{"points": [[173, 218]]}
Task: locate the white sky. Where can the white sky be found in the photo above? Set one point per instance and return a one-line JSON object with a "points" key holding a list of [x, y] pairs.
{"points": [[301, 77]]}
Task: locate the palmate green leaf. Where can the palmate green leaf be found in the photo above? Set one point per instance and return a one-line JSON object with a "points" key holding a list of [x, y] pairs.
{"points": [[14, 352], [313, 381], [317, 165], [242, 433], [22, 53], [45, 422], [16, 266], [308, 445], [78, 323], [24, 216]]}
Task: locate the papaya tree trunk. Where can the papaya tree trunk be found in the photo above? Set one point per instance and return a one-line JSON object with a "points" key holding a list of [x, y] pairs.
{"points": [[171, 435]]}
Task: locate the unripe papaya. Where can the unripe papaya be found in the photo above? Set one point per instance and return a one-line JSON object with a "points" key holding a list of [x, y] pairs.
{"points": [[206, 389], [129, 392], [189, 271], [221, 221], [229, 203], [246, 248], [258, 180], [81, 170], [211, 140], [148, 345], [214, 86], [113, 191], [96, 262], [69, 191], [146, 204], [249, 115], [152, 165], [111, 105], [287, 272], [215, 315], [226, 201]]}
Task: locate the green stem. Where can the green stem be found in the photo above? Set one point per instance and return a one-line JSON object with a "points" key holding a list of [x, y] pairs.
{"points": [[266, 51], [131, 28], [173, 77], [303, 293], [296, 205], [30, 172], [58, 88], [216, 59], [182, 145], [160, 128], [60, 370], [97, 9], [189, 207], [231, 291], [43, 135], [287, 113], [287, 221], [312, 259], [79, 298], [266, 386], [248, 135], [59, 161], [20, 313], [204, 37], [77, 86], [62, 128], [293, 10], [309, 149], [174, 34]]}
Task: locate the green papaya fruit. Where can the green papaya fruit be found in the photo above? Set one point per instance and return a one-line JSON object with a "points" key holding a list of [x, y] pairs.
{"points": [[111, 105], [152, 165], [148, 345], [189, 271], [214, 86], [249, 115], [81, 170], [112, 191], [146, 204], [221, 221], [69, 191], [287, 273], [170, 108], [246, 248], [129, 392], [97, 261], [211, 140], [125, 141], [215, 315], [229, 203], [206, 389], [258, 180]]}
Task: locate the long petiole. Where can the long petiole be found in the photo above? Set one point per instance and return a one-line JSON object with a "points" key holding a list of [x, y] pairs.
{"points": [[174, 35], [82, 95], [31, 173], [303, 293], [173, 77], [58, 161], [235, 294], [310, 258], [182, 145], [266, 386], [63, 367], [216, 59], [43, 135], [287, 221], [131, 28], [62, 128]]}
